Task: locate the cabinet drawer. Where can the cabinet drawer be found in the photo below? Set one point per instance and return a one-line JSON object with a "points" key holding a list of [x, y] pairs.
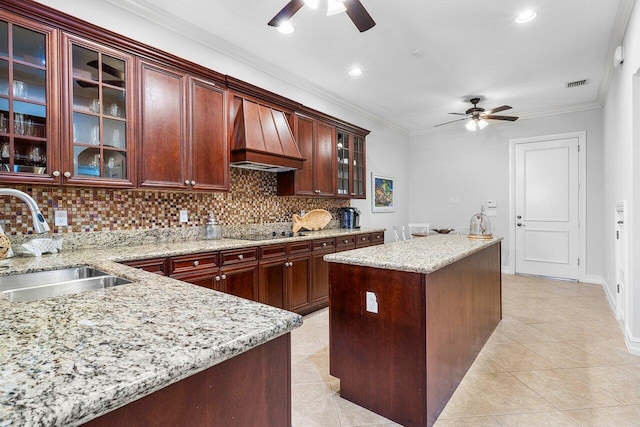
{"points": [[273, 251], [344, 243], [156, 265], [377, 238], [299, 247], [192, 263], [324, 245], [363, 240], [238, 256]]}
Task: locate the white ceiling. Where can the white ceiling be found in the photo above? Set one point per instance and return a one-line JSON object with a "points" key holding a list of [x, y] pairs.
{"points": [[471, 48]]}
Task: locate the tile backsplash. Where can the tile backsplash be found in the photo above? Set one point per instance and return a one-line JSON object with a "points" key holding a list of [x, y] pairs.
{"points": [[251, 200]]}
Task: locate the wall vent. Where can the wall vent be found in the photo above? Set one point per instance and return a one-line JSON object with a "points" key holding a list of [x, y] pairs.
{"points": [[577, 83]]}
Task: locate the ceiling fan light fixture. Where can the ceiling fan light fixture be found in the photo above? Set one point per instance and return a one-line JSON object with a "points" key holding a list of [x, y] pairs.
{"points": [[286, 27], [471, 125], [313, 4], [334, 7], [526, 16], [482, 124]]}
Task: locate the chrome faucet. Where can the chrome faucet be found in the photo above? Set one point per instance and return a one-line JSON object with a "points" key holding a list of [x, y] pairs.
{"points": [[39, 223]]}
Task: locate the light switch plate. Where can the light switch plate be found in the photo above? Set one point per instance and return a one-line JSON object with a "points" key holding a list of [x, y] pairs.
{"points": [[184, 215], [60, 218], [492, 204]]}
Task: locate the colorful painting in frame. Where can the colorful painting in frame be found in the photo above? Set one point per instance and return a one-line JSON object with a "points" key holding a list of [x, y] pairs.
{"points": [[382, 199]]}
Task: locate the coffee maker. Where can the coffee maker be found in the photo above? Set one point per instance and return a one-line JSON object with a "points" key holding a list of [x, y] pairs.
{"points": [[349, 217]]}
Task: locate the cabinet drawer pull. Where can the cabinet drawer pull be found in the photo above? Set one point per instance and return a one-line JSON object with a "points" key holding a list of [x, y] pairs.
{"points": [[324, 244], [346, 241], [217, 278], [364, 238], [224, 277], [196, 263], [240, 256]]}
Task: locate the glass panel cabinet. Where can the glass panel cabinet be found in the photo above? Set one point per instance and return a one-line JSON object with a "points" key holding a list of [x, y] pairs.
{"points": [[351, 165], [100, 90], [26, 78]]}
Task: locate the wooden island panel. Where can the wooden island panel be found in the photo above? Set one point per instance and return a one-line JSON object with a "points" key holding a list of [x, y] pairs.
{"points": [[405, 361]]}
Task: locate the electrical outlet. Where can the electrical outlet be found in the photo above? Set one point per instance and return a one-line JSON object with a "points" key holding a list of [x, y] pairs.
{"points": [[60, 218], [372, 302], [184, 215]]}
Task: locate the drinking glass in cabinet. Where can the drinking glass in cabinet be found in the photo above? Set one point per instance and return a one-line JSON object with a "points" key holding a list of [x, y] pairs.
{"points": [[4, 123], [19, 89], [94, 107]]}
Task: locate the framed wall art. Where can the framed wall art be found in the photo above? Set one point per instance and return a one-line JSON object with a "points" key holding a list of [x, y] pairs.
{"points": [[382, 199]]}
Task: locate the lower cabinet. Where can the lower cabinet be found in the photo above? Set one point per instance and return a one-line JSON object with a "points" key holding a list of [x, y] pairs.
{"points": [[292, 276]]}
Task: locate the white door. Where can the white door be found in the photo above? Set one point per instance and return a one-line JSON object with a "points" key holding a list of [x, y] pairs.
{"points": [[547, 208]]}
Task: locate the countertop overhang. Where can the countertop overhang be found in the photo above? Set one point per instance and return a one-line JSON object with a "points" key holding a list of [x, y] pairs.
{"points": [[69, 359], [420, 255]]}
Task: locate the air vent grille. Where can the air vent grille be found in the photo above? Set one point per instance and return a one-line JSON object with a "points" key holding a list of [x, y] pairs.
{"points": [[577, 83]]}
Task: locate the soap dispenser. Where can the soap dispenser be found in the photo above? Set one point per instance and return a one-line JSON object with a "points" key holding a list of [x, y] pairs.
{"points": [[212, 229]]}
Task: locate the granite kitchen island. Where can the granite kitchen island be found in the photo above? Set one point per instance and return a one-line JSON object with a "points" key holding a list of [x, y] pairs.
{"points": [[407, 320]]}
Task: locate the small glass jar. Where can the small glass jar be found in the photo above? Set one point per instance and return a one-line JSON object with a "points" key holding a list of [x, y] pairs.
{"points": [[212, 230]]}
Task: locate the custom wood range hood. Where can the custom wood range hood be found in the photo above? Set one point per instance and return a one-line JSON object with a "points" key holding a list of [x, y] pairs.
{"points": [[262, 138]]}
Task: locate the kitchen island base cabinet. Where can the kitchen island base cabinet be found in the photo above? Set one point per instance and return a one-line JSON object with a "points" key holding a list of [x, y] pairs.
{"points": [[251, 389], [405, 361]]}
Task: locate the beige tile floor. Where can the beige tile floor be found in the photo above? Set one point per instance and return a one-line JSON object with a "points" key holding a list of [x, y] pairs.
{"points": [[557, 359]]}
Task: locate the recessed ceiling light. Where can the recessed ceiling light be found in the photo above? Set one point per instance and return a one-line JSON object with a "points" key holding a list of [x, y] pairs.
{"points": [[286, 28], [526, 16], [355, 72], [417, 52]]}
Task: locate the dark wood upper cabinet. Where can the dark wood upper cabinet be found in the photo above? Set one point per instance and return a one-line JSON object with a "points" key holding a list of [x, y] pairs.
{"points": [[315, 140], [29, 92], [350, 156], [98, 120], [209, 152], [183, 137]]}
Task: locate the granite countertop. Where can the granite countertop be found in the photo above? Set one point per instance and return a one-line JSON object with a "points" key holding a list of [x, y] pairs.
{"points": [[68, 359], [420, 255]]}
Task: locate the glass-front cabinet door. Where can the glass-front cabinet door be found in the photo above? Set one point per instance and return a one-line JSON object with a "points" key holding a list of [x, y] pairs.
{"points": [[98, 141], [27, 138], [351, 165], [344, 153]]}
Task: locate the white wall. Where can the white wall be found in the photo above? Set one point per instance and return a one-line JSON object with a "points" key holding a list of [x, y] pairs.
{"points": [[622, 170], [474, 167], [387, 149]]}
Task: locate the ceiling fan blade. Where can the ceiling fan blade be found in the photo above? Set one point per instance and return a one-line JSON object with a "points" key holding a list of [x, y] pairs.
{"points": [[508, 118], [453, 121], [498, 109], [286, 13], [459, 114], [359, 15]]}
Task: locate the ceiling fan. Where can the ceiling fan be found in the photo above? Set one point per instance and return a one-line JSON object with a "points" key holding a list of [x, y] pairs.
{"points": [[353, 8], [477, 116]]}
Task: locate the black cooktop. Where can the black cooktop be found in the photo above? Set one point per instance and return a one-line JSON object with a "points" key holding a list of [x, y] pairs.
{"points": [[269, 235]]}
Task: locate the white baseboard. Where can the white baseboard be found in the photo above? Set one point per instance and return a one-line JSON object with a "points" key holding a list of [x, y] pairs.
{"points": [[594, 279], [611, 299], [633, 343], [506, 270]]}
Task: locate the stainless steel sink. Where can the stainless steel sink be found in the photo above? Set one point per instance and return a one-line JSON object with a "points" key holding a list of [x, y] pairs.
{"points": [[46, 284]]}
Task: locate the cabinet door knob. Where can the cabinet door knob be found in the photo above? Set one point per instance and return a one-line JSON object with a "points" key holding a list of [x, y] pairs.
{"points": [[67, 174], [346, 241], [240, 256], [196, 263], [217, 278], [364, 238], [55, 173], [193, 183], [187, 182], [224, 277]]}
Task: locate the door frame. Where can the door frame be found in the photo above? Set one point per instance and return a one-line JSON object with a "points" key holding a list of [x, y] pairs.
{"points": [[582, 193]]}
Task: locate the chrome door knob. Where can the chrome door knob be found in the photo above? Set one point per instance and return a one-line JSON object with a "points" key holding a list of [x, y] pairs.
{"points": [[186, 182], [217, 278], [240, 256], [224, 277], [55, 173], [196, 263], [67, 174], [193, 183]]}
